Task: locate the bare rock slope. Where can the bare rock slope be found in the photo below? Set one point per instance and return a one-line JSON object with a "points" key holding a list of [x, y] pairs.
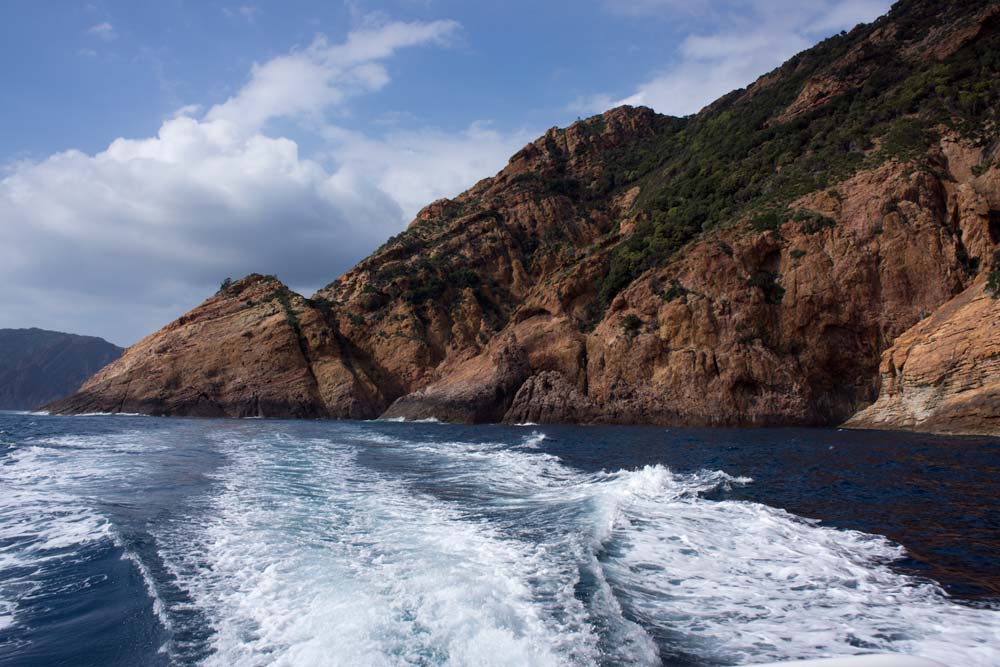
{"points": [[943, 375]]}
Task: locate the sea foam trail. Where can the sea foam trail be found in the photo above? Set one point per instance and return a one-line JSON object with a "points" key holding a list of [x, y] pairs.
{"points": [[730, 582], [360, 547], [43, 525], [52, 528], [310, 559]]}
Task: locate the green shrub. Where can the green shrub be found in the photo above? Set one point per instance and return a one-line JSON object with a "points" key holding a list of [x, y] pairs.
{"points": [[767, 282], [813, 222], [632, 324], [291, 315], [675, 291], [427, 288], [907, 138], [980, 169], [797, 254], [769, 221], [226, 284], [993, 277], [705, 171]]}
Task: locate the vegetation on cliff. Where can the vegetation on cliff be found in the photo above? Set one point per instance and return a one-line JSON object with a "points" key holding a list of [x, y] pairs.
{"points": [[741, 155]]}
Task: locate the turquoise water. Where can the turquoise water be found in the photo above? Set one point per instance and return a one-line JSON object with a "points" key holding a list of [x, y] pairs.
{"points": [[143, 541]]}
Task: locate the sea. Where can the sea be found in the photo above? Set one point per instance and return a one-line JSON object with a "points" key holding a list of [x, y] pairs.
{"points": [[131, 540]]}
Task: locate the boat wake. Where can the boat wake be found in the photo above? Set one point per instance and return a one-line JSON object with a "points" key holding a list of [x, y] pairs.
{"points": [[365, 546]]}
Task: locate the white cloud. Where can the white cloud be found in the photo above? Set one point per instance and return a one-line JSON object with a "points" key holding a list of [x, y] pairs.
{"points": [[119, 242], [751, 37], [304, 83], [419, 166], [104, 30]]}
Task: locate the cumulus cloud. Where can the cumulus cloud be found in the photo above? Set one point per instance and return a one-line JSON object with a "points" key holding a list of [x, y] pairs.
{"points": [[750, 37], [119, 242], [419, 166], [306, 82]]}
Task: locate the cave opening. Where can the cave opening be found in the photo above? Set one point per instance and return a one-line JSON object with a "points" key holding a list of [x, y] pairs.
{"points": [[994, 226]]}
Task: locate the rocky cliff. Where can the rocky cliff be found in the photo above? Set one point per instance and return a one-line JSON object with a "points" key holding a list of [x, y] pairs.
{"points": [[943, 375], [254, 349], [38, 366], [746, 265]]}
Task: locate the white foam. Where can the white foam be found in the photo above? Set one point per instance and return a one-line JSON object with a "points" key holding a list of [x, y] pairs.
{"points": [[310, 559], [105, 414], [303, 556], [734, 581], [745, 582], [48, 513], [534, 440], [159, 607], [41, 523]]}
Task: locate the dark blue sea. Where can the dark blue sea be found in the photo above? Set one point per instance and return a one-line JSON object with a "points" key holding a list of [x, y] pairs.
{"points": [[143, 541]]}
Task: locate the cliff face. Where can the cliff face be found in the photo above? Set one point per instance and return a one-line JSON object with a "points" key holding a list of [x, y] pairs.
{"points": [[254, 349], [38, 366], [943, 375], [747, 265]]}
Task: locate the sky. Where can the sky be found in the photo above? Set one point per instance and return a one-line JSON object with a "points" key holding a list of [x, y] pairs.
{"points": [[151, 149]]}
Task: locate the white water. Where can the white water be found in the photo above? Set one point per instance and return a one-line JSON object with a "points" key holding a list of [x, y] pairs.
{"points": [[305, 552], [389, 575], [42, 523]]}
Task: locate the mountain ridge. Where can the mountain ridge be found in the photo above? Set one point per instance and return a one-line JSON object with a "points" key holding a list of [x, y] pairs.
{"points": [[747, 265], [38, 366]]}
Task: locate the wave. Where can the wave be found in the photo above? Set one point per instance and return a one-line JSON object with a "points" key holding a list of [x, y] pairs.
{"points": [[106, 414], [42, 526], [357, 561], [534, 440], [360, 547], [729, 581]]}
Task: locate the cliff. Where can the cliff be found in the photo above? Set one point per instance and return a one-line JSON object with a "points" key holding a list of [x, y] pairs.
{"points": [[38, 366], [254, 349], [943, 375], [746, 265]]}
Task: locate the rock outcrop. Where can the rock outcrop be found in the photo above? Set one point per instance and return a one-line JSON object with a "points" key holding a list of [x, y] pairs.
{"points": [[254, 349], [943, 375], [745, 266]]}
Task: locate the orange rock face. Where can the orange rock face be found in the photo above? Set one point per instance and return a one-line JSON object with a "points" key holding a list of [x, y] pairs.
{"points": [[254, 349], [943, 375], [743, 327], [489, 306]]}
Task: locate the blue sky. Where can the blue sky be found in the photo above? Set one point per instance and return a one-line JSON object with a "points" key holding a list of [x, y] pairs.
{"points": [[152, 149]]}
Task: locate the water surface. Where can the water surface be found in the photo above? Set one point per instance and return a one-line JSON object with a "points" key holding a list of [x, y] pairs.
{"points": [[142, 541]]}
